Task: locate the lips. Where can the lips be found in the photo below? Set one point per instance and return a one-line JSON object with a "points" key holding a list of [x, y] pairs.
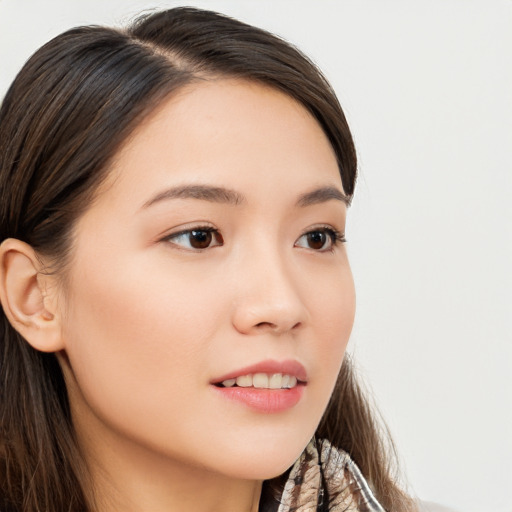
{"points": [[266, 387], [290, 368]]}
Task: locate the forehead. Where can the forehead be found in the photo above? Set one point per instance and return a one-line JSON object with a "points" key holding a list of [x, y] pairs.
{"points": [[230, 132]]}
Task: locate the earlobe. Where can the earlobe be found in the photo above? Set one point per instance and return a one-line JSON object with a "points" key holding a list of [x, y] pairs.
{"points": [[25, 298]]}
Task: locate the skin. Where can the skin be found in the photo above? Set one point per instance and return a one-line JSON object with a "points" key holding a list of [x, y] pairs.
{"points": [[147, 322]]}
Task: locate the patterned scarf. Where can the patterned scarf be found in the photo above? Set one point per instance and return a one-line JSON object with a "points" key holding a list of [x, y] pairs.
{"points": [[324, 479]]}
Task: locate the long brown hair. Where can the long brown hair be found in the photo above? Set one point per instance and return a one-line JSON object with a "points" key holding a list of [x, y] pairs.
{"points": [[62, 121]]}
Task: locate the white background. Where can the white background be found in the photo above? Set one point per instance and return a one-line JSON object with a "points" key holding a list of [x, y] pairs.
{"points": [[426, 86]]}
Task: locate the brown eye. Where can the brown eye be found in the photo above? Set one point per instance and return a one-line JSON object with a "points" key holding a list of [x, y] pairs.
{"points": [[316, 240], [323, 239], [200, 238]]}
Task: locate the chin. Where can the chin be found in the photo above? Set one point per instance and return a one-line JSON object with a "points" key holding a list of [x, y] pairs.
{"points": [[263, 463]]}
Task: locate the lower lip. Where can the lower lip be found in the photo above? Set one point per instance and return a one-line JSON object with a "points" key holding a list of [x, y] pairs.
{"points": [[264, 400]]}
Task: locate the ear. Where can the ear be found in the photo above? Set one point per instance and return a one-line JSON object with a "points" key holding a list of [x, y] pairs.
{"points": [[28, 296]]}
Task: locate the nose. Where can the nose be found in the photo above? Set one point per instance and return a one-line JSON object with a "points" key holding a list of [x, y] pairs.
{"points": [[268, 298]]}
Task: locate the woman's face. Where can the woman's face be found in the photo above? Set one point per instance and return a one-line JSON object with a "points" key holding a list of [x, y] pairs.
{"points": [[212, 252]]}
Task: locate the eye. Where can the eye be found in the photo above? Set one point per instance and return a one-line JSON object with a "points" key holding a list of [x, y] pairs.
{"points": [[196, 238], [321, 239]]}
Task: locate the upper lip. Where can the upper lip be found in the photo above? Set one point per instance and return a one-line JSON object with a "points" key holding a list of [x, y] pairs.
{"points": [[270, 366]]}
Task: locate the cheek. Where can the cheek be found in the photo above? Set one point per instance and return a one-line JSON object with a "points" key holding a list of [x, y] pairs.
{"points": [[335, 317], [134, 335], [133, 305], [338, 318]]}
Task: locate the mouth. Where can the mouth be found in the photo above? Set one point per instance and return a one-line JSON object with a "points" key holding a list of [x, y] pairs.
{"points": [[267, 387], [269, 374], [262, 381]]}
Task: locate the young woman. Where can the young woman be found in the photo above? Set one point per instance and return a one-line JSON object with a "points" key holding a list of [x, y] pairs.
{"points": [[176, 294]]}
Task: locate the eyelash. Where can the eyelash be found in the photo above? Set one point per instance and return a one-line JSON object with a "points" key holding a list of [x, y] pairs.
{"points": [[335, 236], [210, 233], [332, 234]]}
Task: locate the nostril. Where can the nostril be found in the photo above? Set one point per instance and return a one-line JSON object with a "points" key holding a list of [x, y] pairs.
{"points": [[274, 327], [267, 324]]}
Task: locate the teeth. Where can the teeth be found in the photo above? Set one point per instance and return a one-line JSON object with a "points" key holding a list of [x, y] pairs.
{"points": [[276, 381], [262, 381], [244, 381]]}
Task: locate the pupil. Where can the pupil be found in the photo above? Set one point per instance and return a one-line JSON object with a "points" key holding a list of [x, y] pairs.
{"points": [[200, 239], [316, 240]]}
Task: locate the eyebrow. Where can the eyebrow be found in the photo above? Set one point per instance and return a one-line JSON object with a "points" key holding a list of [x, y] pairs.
{"points": [[228, 196], [203, 192], [322, 195]]}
